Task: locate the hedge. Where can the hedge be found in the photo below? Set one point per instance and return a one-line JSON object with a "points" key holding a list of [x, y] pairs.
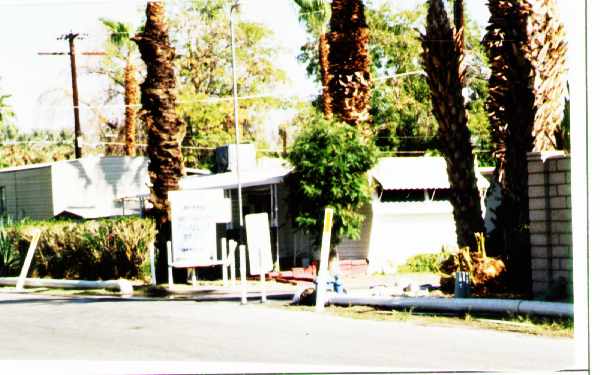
{"points": [[89, 250]]}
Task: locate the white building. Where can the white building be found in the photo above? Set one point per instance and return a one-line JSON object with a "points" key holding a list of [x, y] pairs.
{"points": [[89, 187]]}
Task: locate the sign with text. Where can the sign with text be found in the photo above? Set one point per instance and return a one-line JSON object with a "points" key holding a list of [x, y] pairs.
{"points": [[194, 214], [259, 243]]}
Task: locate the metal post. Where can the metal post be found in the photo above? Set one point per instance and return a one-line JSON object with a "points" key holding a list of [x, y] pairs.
{"points": [[232, 246], [224, 261], [237, 158], [235, 119], [263, 292], [244, 296], [170, 264], [71, 37], [152, 269]]}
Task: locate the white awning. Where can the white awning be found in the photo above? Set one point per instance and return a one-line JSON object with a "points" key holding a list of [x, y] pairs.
{"points": [[398, 173], [228, 180]]}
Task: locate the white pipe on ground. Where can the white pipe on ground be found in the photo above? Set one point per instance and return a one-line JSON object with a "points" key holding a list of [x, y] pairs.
{"points": [[123, 286], [458, 305]]}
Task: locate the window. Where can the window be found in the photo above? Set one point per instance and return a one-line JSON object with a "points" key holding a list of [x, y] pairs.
{"points": [[2, 200]]}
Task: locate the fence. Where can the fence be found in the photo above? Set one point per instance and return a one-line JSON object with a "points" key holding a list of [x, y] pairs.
{"points": [[550, 225]]}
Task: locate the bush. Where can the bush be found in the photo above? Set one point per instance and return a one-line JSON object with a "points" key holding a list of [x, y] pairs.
{"points": [[424, 263], [99, 249], [330, 161], [9, 256]]}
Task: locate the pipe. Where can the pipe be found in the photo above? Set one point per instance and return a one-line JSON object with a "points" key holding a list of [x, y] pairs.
{"points": [[123, 286], [457, 305]]}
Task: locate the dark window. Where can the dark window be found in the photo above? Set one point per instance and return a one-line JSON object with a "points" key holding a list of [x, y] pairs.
{"points": [[2, 200], [439, 194], [404, 195]]}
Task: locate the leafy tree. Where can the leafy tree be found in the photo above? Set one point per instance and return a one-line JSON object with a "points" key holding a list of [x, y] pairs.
{"points": [[400, 105], [165, 129], [39, 146], [442, 60], [330, 162], [401, 114], [8, 130], [202, 40]]}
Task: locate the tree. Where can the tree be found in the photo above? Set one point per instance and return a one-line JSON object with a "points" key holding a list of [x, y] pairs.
{"points": [[443, 62], [349, 62], [400, 108], [330, 161], [316, 14], [8, 130], [400, 105], [120, 38], [526, 48], [165, 129], [202, 42]]}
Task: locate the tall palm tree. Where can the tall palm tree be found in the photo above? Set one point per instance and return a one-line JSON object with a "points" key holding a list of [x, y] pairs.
{"points": [[120, 37], [527, 52], [349, 85], [316, 15], [443, 53], [165, 129]]}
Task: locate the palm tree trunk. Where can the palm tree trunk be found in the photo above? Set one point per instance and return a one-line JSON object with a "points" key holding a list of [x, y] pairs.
{"points": [[349, 85], [165, 129], [325, 77], [131, 94], [443, 62], [527, 52]]}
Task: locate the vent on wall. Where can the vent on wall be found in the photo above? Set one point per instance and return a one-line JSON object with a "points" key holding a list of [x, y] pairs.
{"points": [[226, 159]]}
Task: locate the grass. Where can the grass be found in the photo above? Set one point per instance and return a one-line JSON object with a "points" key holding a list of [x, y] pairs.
{"points": [[519, 324]]}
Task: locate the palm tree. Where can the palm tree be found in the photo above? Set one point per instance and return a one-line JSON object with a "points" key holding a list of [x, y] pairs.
{"points": [[165, 129], [349, 85], [120, 37], [316, 15], [443, 52], [527, 52]]}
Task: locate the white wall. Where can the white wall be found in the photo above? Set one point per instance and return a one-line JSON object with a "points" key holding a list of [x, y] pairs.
{"points": [[403, 229], [91, 187]]}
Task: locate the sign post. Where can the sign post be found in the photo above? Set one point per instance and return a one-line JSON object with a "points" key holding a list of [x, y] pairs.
{"points": [[323, 260]]}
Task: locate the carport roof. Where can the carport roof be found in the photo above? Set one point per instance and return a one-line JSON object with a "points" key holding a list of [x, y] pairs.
{"points": [[228, 180], [396, 173]]}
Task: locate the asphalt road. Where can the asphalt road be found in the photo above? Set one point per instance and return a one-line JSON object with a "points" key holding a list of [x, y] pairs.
{"points": [[228, 337]]}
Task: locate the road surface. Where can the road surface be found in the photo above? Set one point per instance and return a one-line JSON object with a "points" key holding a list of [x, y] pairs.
{"points": [[229, 337]]}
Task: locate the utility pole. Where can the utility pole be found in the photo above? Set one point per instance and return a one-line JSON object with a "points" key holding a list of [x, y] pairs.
{"points": [[70, 37]]}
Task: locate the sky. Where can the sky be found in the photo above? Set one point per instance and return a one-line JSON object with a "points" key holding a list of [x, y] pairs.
{"points": [[40, 85]]}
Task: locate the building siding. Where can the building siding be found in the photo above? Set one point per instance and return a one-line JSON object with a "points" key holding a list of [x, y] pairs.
{"points": [[90, 187], [28, 192]]}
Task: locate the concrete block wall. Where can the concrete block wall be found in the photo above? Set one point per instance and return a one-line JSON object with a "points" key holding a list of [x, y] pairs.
{"points": [[550, 224]]}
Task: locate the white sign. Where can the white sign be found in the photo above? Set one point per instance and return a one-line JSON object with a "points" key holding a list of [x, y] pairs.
{"points": [[194, 214], [259, 243]]}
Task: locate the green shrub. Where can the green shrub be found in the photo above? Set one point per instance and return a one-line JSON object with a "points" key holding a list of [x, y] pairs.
{"points": [[9, 256], [423, 263], [90, 250]]}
